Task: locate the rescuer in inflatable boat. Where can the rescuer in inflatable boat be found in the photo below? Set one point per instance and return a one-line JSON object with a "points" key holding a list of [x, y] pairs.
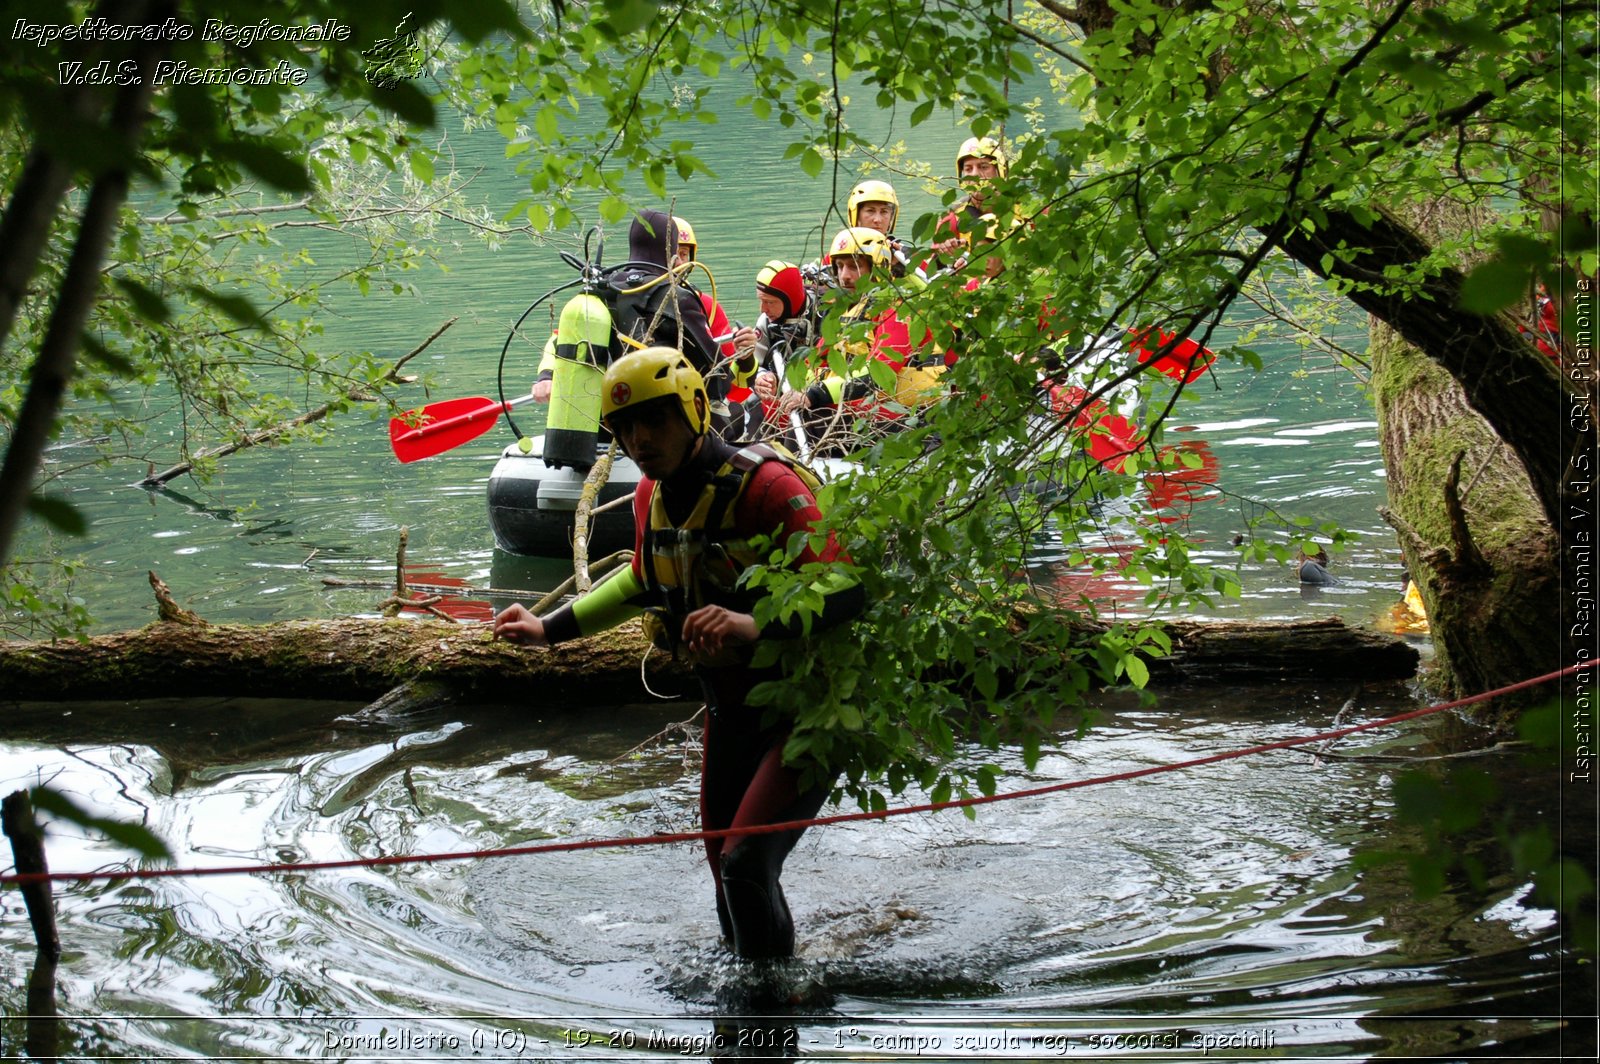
{"points": [[980, 161], [638, 297], [716, 317], [791, 321], [873, 204], [858, 255], [698, 504]]}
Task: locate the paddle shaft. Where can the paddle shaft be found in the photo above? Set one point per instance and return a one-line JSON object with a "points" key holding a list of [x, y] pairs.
{"points": [[491, 411], [795, 420]]}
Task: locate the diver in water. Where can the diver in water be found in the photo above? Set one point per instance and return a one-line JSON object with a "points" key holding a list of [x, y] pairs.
{"points": [[1313, 568]]}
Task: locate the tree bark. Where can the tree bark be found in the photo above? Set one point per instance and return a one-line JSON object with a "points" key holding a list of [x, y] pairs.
{"points": [[1491, 619], [1474, 531], [363, 659]]}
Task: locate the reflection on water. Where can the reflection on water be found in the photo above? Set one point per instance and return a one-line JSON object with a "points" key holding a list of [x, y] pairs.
{"points": [[1213, 908]]}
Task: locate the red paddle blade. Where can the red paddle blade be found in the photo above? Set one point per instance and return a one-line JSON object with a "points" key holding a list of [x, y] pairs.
{"points": [[439, 427], [1186, 362], [1112, 439]]}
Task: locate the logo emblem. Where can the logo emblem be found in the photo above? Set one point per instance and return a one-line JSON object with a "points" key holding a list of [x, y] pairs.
{"points": [[621, 393], [396, 59]]}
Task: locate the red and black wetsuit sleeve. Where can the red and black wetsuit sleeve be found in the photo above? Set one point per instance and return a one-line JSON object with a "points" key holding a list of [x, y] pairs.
{"points": [[776, 498]]}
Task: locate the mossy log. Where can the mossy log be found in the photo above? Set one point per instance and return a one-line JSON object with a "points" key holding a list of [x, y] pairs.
{"points": [[365, 658]]}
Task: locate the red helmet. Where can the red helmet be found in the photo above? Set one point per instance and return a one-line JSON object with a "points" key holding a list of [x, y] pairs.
{"points": [[783, 280]]}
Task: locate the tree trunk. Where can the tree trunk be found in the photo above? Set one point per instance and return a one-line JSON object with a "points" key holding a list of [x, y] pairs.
{"points": [[1494, 602], [363, 659], [1474, 531], [57, 357]]}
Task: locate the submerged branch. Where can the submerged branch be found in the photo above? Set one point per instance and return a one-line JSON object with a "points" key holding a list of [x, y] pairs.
{"points": [[283, 428]]}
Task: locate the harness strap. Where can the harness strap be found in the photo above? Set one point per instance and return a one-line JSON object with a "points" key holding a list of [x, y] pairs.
{"points": [[687, 547]]}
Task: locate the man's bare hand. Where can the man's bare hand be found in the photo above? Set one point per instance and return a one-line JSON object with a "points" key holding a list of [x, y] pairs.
{"points": [[766, 386], [711, 628], [745, 339], [789, 402], [515, 624]]}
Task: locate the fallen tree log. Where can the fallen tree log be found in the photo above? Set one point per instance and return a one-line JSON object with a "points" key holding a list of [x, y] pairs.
{"points": [[361, 659]]}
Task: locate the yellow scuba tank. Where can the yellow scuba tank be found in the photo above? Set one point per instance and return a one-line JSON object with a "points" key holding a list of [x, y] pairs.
{"points": [[572, 431]]}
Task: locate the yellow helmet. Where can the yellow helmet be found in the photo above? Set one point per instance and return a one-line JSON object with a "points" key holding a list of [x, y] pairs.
{"points": [[686, 236], [981, 148], [872, 192], [859, 240], [641, 377]]}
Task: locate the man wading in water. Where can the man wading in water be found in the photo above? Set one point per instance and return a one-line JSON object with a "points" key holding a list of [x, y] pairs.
{"points": [[700, 502]]}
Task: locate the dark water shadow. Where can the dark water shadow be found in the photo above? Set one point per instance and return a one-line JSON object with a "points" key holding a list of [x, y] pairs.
{"points": [[43, 1039]]}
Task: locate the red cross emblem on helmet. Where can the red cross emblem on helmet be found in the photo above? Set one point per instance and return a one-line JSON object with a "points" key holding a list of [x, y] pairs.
{"points": [[621, 393]]}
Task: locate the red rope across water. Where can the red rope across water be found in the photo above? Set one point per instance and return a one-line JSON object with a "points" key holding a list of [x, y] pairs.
{"points": [[762, 829]]}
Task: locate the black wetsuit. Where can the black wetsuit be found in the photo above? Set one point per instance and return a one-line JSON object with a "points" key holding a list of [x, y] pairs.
{"points": [[652, 244], [743, 779]]}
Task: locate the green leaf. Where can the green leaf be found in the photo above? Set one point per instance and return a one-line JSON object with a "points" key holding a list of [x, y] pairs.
{"points": [[274, 166], [115, 361], [406, 101], [134, 836], [1540, 726], [547, 123], [811, 162], [1494, 286], [882, 374], [1476, 31], [480, 18], [422, 167], [58, 514], [1427, 875], [627, 16], [148, 303], [941, 538], [237, 307]]}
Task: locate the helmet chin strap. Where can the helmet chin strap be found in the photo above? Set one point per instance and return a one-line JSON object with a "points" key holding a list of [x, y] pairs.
{"points": [[692, 448], [689, 452], [702, 406]]}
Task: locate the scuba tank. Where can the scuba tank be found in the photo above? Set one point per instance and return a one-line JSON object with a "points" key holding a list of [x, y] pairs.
{"points": [[583, 338]]}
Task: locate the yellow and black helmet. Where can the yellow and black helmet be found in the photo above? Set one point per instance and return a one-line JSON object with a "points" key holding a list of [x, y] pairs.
{"points": [[686, 237], [872, 191], [859, 240], [981, 148], [641, 377]]}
